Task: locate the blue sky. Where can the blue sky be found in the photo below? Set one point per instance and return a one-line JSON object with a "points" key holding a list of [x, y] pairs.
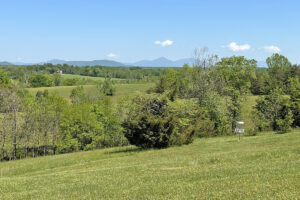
{"points": [[131, 30]]}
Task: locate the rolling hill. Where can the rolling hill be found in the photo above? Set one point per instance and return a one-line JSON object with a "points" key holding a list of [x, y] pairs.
{"points": [[260, 167]]}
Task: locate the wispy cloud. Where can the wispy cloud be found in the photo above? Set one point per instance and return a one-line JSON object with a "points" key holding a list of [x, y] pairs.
{"points": [[164, 43], [272, 49], [235, 47], [112, 55]]}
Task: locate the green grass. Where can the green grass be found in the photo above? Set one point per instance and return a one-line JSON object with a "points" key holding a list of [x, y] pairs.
{"points": [[261, 167], [71, 76], [122, 90]]}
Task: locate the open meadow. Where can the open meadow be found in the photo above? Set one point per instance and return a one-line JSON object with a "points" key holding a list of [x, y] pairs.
{"points": [[260, 167], [122, 90]]}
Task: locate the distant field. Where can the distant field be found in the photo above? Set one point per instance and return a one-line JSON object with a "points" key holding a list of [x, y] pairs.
{"points": [[122, 90], [260, 167], [71, 76]]}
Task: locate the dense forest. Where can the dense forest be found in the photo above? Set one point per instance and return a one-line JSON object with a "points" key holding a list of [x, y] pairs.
{"points": [[203, 100]]}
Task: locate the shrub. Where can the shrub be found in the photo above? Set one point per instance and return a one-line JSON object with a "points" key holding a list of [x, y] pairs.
{"points": [[151, 124], [284, 125], [4, 80], [41, 80], [273, 111]]}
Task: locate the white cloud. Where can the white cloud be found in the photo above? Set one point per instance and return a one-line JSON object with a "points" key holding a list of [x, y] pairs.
{"points": [[235, 47], [164, 43], [112, 55], [272, 49]]}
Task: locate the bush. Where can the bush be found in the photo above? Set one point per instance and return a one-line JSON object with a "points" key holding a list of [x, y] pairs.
{"points": [[4, 80], [41, 80], [70, 81], [284, 125], [273, 112], [151, 124]]}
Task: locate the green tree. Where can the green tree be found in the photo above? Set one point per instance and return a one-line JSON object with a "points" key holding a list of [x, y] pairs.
{"points": [[40, 80], [80, 129], [57, 79], [107, 88], [279, 70], [274, 112], [78, 95], [295, 100], [4, 80], [150, 124], [237, 72], [107, 116]]}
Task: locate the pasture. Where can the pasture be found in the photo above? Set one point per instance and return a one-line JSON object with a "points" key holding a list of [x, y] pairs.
{"points": [[122, 90], [259, 167]]}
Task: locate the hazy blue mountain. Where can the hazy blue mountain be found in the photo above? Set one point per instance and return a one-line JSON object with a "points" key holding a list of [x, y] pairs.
{"points": [[159, 62], [55, 62], [163, 62], [110, 63], [5, 63]]}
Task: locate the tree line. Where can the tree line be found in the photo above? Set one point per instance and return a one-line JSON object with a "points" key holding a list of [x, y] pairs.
{"points": [[46, 75], [220, 86], [46, 124]]}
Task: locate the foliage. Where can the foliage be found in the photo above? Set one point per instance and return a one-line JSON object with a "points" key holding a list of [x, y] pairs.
{"points": [[295, 100], [78, 95], [40, 80], [274, 112], [279, 71], [57, 78], [150, 124], [128, 74], [80, 126], [237, 72], [4, 80], [106, 87]]}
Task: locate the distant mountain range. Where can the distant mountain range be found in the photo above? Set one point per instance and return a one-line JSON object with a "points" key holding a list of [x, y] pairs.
{"points": [[159, 62], [163, 62], [110, 63], [5, 63]]}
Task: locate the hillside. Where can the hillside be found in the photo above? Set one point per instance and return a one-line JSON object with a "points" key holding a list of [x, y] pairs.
{"points": [[261, 167]]}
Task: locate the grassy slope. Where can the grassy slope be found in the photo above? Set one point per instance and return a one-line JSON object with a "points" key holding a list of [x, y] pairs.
{"points": [[122, 90], [260, 167]]}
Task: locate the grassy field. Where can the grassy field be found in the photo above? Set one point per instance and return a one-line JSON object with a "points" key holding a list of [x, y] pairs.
{"points": [[122, 90], [261, 167], [71, 76]]}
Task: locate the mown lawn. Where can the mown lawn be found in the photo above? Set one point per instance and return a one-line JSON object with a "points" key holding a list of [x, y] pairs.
{"points": [[261, 167]]}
